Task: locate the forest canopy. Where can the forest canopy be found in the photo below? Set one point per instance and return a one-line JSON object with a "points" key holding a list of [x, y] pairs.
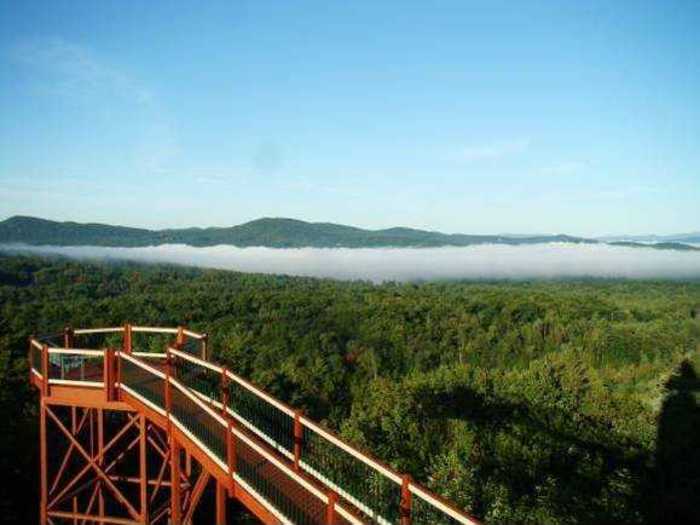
{"points": [[530, 402]]}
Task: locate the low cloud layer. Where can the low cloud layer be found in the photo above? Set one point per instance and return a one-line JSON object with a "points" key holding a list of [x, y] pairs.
{"points": [[546, 261]]}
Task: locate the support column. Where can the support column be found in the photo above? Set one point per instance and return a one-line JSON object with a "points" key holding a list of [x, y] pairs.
{"points": [[43, 516], [175, 500], [74, 431], [101, 460], [143, 470], [220, 503]]}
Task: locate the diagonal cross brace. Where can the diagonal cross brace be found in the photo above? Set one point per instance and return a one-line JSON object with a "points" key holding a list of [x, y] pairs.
{"points": [[98, 470]]}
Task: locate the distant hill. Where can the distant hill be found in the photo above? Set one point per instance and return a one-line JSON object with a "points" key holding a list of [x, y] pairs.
{"points": [[657, 245], [270, 232], [692, 237]]}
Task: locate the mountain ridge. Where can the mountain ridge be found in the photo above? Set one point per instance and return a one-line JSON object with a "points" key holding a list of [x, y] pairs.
{"points": [[273, 232]]}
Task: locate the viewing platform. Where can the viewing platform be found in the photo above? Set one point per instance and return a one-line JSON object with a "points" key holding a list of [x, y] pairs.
{"points": [[136, 422]]}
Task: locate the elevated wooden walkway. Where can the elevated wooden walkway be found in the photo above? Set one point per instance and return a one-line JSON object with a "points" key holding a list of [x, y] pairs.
{"points": [[136, 423]]}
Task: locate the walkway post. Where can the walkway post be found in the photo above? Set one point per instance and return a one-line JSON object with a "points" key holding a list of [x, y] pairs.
{"points": [[406, 500], [168, 401], [30, 360], [68, 337], [108, 374], [230, 438], [330, 510], [180, 339], [231, 455], [45, 370], [224, 392], [298, 439], [126, 344], [205, 347]]}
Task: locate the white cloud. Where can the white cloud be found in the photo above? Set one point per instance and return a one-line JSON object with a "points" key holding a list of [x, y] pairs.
{"points": [[555, 260], [77, 74], [493, 150], [77, 71]]}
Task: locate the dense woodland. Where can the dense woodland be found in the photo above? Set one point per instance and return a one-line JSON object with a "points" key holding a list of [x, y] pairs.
{"points": [[542, 402]]}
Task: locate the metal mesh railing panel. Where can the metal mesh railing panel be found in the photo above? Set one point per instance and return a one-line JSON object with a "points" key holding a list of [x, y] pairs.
{"points": [[291, 499], [71, 367], [265, 417], [98, 341], [143, 382], [53, 340], [193, 346], [199, 422], [356, 481], [198, 377], [150, 342]]}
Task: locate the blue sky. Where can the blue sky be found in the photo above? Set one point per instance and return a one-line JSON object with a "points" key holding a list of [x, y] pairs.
{"points": [[475, 117]]}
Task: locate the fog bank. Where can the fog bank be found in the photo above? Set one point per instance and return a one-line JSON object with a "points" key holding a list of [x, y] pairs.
{"points": [[546, 261]]}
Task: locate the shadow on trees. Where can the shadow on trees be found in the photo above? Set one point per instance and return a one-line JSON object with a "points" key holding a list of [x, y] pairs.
{"points": [[583, 458], [587, 458], [673, 493]]}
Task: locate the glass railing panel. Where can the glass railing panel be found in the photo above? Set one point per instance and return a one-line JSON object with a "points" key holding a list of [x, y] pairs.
{"points": [[76, 366]]}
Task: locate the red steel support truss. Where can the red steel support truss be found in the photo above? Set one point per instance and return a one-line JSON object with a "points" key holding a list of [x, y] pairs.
{"points": [[114, 467]]}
